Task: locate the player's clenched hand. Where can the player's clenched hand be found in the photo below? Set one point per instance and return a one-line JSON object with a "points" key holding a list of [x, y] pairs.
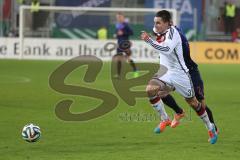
{"points": [[144, 35], [119, 32]]}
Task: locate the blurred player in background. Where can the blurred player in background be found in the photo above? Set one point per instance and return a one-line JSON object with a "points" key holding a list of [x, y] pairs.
{"points": [[171, 48], [123, 31], [236, 35], [102, 33], [229, 17]]}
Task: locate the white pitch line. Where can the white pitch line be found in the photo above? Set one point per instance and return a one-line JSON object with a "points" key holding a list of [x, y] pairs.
{"points": [[5, 79]]}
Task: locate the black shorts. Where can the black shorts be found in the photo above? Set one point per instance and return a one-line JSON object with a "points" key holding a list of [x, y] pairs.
{"points": [[124, 53], [197, 84]]}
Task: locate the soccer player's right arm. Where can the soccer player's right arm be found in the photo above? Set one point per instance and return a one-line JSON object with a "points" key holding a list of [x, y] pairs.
{"points": [[167, 46]]}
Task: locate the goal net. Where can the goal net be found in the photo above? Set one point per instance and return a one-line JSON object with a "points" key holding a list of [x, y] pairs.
{"points": [[55, 32]]}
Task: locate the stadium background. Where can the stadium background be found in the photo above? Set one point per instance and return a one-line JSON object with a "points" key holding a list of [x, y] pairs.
{"points": [[125, 132]]}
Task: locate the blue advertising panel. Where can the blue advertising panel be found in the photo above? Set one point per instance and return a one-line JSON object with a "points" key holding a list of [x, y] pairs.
{"points": [[73, 19], [185, 9]]}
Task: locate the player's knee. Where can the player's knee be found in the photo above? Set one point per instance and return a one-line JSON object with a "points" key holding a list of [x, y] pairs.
{"points": [[153, 87], [129, 53], [193, 102], [130, 60], [117, 58], [151, 90], [203, 102]]}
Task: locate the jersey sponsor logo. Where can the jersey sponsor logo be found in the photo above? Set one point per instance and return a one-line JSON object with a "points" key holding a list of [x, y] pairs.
{"points": [[161, 38]]}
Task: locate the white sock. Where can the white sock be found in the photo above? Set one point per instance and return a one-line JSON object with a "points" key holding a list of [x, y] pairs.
{"points": [[206, 121], [159, 106]]}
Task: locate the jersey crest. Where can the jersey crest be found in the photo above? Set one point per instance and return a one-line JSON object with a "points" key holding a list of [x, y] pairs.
{"points": [[161, 38]]}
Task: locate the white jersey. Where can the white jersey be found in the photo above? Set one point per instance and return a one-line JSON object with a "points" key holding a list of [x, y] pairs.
{"points": [[170, 50], [171, 56]]}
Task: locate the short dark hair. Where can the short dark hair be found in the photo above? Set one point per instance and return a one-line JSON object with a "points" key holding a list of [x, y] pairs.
{"points": [[120, 13], [165, 15]]}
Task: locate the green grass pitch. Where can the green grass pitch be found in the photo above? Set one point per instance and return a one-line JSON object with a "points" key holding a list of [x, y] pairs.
{"points": [[25, 96]]}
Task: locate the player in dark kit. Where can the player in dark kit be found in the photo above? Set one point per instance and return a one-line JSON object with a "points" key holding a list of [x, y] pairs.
{"points": [[123, 31], [196, 79]]}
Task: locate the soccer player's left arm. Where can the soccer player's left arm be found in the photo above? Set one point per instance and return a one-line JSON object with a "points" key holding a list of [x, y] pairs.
{"points": [[165, 47]]}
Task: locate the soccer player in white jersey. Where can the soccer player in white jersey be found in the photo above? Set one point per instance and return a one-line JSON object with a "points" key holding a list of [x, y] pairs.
{"points": [[177, 76]]}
